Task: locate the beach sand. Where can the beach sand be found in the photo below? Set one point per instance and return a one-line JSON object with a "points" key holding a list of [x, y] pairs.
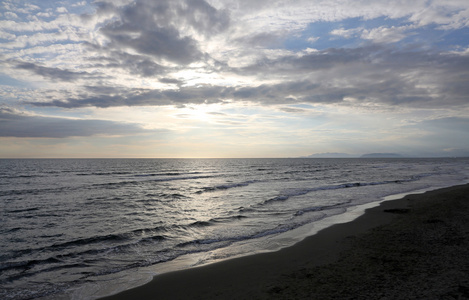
{"points": [[412, 248]]}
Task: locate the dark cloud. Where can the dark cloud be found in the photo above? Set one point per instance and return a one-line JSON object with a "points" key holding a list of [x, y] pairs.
{"points": [[103, 7], [203, 17], [171, 81], [107, 96], [16, 124], [144, 67], [134, 64], [51, 73], [264, 39], [309, 62], [215, 113], [293, 110], [100, 96], [160, 42], [156, 28], [375, 74]]}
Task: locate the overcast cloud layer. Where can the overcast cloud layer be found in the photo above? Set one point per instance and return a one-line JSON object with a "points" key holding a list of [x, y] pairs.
{"points": [[234, 78]]}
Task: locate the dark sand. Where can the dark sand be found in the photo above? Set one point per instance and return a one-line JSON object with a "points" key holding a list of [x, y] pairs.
{"points": [[413, 248]]}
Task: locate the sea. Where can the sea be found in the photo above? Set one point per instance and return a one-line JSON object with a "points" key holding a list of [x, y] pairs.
{"points": [[87, 228]]}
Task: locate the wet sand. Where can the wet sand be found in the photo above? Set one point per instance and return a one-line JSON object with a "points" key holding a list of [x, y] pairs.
{"points": [[412, 248]]}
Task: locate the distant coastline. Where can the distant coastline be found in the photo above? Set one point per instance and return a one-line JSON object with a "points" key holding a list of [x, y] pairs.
{"points": [[346, 155], [374, 155], [381, 155]]}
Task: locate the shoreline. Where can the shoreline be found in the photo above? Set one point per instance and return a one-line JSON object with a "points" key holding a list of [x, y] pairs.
{"points": [[296, 271]]}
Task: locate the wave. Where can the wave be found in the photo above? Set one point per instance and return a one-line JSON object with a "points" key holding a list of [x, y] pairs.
{"points": [[70, 244], [14, 211], [211, 222], [20, 176], [107, 239], [104, 173], [227, 219], [118, 184], [199, 224], [226, 186], [203, 242], [32, 191], [152, 198], [91, 240], [5, 266], [318, 208], [199, 245], [59, 259], [185, 178], [167, 174], [118, 241], [299, 192], [135, 182]]}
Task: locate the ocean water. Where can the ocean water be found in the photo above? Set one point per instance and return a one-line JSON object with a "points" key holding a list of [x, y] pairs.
{"points": [[80, 228]]}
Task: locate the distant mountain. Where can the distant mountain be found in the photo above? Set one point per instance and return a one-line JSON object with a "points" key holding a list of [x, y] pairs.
{"points": [[330, 155], [381, 155]]}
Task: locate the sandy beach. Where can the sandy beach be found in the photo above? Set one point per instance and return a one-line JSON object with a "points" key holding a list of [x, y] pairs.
{"points": [[412, 248]]}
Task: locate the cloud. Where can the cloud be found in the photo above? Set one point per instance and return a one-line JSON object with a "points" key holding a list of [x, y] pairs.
{"points": [[134, 64], [82, 3], [171, 81], [283, 13], [14, 123], [7, 36], [51, 73], [108, 96], [10, 15], [308, 62], [61, 10], [346, 33], [178, 52], [292, 110], [160, 42], [385, 34], [163, 29], [382, 34], [23, 41], [262, 39], [263, 94], [375, 74]]}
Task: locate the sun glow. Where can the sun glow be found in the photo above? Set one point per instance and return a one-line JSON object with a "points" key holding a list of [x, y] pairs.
{"points": [[169, 117], [202, 112]]}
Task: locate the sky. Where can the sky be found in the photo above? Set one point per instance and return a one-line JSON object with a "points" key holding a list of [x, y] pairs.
{"points": [[233, 78]]}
